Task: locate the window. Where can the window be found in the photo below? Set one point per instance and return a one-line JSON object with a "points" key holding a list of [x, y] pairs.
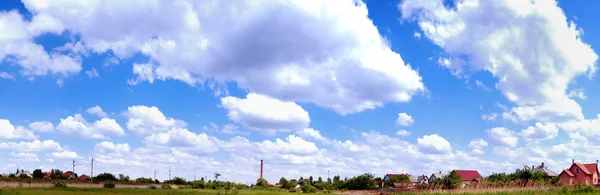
{"points": [[576, 170]]}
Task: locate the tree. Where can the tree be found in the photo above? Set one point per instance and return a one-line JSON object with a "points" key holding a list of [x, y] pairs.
{"points": [[398, 179], [123, 177], [284, 183], [38, 174], [452, 181], [178, 181], [56, 174], [217, 175], [310, 180], [361, 182], [307, 188], [262, 182], [105, 177]]}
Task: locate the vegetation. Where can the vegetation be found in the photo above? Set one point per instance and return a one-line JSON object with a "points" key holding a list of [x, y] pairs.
{"points": [[398, 179], [59, 184], [105, 177], [109, 185], [262, 182], [38, 174], [307, 188]]}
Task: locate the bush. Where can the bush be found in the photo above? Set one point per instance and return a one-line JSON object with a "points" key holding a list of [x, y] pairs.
{"points": [[262, 182], [59, 184], [197, 184], [152, 187], [165, 186], [178, 181], [105, 177], [307, 188], [109, 185], [38, 174]]}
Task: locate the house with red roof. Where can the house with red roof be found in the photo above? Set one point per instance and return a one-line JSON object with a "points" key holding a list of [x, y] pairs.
{"points": [[580, 174], [83, 177], [469, 176]]}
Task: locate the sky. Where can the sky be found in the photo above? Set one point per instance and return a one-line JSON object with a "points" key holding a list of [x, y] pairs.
{"points": [[311, 87]]}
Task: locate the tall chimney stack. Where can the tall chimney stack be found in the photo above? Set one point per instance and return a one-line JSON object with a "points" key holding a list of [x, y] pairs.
{"points": [[542, 164], [573, 161], [261, 168]]}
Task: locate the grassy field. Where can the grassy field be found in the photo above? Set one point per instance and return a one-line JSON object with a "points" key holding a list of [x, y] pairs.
{"points": [[101, 191]]}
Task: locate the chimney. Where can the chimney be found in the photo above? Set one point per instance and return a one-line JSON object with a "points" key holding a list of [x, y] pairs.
{"points": [[261, 168], [440, 172], [573, 161], [542, 164]]}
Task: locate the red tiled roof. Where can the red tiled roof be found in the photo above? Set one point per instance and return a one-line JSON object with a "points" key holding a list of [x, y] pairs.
{"points": [[83, 177], [583, 168], [468, 175], [592, 167], [566, 171]]}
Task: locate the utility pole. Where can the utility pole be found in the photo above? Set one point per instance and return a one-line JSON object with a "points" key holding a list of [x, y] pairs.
{"points": [[92, 173], [169, 175], [328, 174], [73, 166], [154, 174]]}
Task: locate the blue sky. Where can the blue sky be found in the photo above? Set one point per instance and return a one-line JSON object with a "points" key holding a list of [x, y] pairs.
{"points": [[350, 87]]}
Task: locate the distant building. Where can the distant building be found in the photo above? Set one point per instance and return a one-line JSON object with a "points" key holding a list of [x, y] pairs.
{"points": [[437, 176], [549, 173], [83, 177], [415, 180], [580, 174], [470, 177]]}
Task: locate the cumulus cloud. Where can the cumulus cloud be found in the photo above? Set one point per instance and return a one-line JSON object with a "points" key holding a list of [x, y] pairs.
{"points": [[8, 131], [402, 133], [265, 114], [477, 145], [533, 50], [502, 136], [481, 85], [492, 116], [434, 144], [226, 129], [77, 126], [18, 45], [6, 75], [185, 42], [587, 129], [34, 146], [144, 120], [65, 155], [42, 126], [404, 119], [540, 132], [92, 73], [97, 110]]}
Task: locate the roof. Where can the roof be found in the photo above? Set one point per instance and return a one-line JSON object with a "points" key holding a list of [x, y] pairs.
{"points": [[566, 171], [468, 175], [417, 179], [592, 167], [545, 170], [583, 168], [439, 175], [82, 177]]}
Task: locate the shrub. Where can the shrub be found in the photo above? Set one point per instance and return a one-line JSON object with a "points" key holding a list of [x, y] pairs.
{"points": [[59, 184], [307, 188], [105, 177], [152, 187], [38, 174], [165, 186], [197, 184], [109, 185], [178, 181], [262, 182]]}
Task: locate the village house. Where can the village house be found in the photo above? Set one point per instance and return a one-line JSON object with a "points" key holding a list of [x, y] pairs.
{"points": [[437, 176], [580, 174], [547, 172], [388, 176], [415, 180], [470, 177], [24, 173], [83, 177]]}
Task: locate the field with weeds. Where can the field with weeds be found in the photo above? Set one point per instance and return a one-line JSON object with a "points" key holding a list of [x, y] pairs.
{"points": [[101, 191]]}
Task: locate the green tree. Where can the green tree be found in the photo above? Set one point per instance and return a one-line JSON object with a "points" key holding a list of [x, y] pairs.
{"points": [[56, 174], [284, 183], [262, 182], [398, 179], [38, 174], [217, 175], [361, 182], [178, 181], [310, 180], [452, 181], [292, 183], [307, 188], [123, 178], [105, 177]]}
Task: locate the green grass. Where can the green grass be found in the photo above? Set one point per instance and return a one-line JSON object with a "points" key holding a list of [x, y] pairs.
{"points": [[101, 191]]}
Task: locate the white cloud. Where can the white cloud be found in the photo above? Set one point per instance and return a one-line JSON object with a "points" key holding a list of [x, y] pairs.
{"points": [[540, 132], [42, 126], [18, 46], [265, 114], [6, 75], [477, 145], [92, 73], [111, 148], [34, 146], [502, 136], [145, 120], [65, 155], [186, 42], [226, 129], [402, 133], [8, 131], [417, 35], [533, 50], [313, 134], [481, 85], [578, 93], [588, 128], [77, 126], [404, 119], [24, 156], [97, 110], [434, 144], [178, 137], [492, 116]]}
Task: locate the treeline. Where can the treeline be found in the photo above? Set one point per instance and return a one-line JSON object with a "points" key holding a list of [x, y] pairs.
{"points": [[309, 185], [521, 178]]}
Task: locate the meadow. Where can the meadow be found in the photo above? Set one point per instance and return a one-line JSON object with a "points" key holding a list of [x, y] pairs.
{"points": [[102, 191]]}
